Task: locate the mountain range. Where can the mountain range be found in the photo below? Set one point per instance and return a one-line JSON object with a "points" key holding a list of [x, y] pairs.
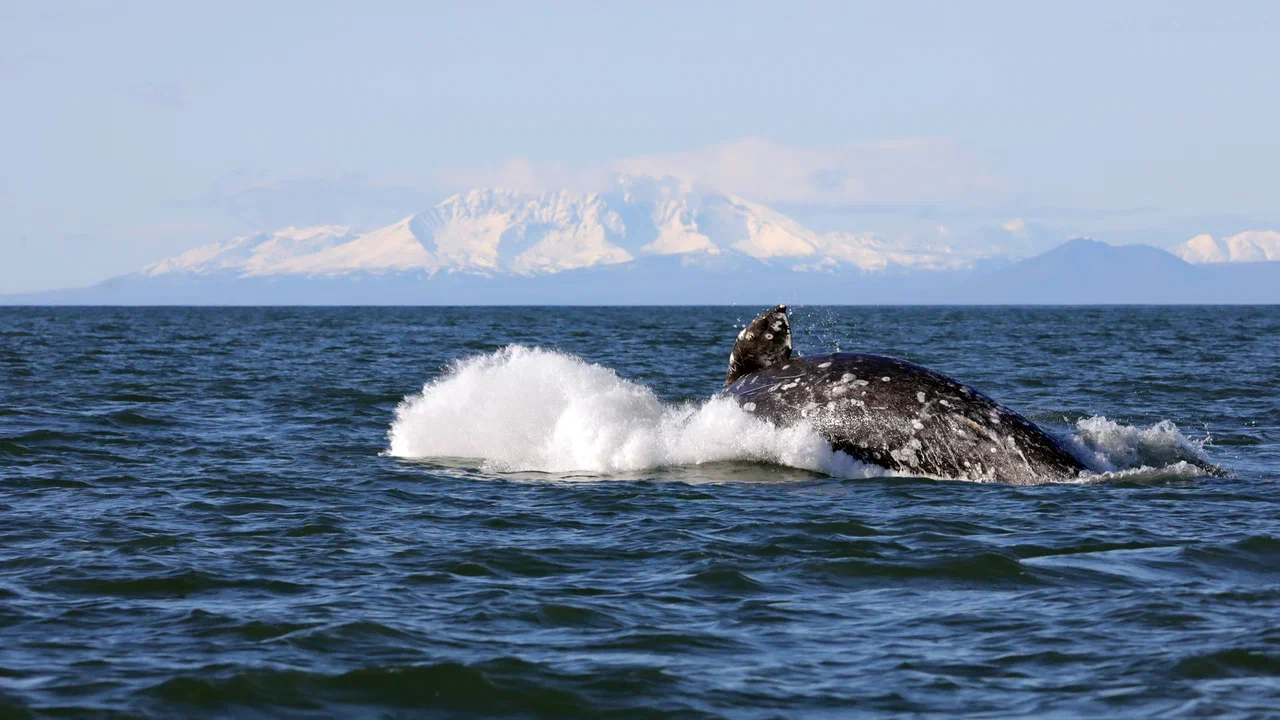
{"points": [[651, 241]]}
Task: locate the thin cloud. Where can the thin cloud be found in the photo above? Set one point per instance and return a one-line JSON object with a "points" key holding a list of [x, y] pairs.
{"points": [[164, 95], [895, 172], [262, 201]]}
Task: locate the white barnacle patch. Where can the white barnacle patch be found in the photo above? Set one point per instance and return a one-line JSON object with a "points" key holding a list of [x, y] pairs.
{"points": [[768, 336], [920, 397], [780, 316], [787, 366], [847, 377], [822, 365], [884, 379], [790, 385], [907, 454], [917, 424], [861, 383], [839, 390], [750, 336], [945, 403], [749, 407], [777, 326]]}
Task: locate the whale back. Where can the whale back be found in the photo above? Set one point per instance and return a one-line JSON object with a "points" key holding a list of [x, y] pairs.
{"points": [[763, 343], [899, 415]]}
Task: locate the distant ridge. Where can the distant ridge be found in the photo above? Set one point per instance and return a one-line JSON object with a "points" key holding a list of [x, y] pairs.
{"points": [[495, 232], [1251, 246], [659, 242]]}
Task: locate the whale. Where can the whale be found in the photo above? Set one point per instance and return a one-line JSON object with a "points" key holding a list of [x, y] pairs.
{"points": [[889, 412]]}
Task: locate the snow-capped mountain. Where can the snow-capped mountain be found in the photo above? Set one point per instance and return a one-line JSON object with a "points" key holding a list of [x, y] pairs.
{"points": [[1250, 246], [500, 232], [258, 254], [649, 241]]}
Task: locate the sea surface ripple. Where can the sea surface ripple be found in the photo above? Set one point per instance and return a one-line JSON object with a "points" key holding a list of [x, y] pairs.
{"points": [[201, 514]]}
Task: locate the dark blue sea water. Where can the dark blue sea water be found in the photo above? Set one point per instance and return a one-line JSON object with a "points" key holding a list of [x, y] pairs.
{"points": [[221, 512]]}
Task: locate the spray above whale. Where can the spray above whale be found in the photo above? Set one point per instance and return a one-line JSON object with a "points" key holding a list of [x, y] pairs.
{"points": [[889, 412]]}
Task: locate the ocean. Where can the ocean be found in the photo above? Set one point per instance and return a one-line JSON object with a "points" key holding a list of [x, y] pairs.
{"points": [[542, 512]]}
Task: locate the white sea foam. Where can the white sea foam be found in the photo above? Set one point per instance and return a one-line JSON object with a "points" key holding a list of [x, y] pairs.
{"points": [[529, 409], [1106, 446]]}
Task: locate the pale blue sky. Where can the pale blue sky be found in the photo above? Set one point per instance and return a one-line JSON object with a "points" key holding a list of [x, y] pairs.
{"points": [[134, 130]]}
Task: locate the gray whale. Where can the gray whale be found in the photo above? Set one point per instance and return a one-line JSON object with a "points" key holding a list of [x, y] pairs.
{"points": [[890, 412]]}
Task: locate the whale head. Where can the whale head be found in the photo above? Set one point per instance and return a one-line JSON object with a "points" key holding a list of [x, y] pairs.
{"points": [[761, 344]]}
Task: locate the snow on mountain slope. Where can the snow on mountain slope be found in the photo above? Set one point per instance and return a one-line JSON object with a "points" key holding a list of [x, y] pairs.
{"points": [[871, 251], [396, 247], [496, 231], [258, 254], [1250, 246]]}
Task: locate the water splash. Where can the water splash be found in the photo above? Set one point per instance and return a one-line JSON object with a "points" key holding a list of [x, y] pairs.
{"points": [[529, 409], [1113, 450], [532, 409]]}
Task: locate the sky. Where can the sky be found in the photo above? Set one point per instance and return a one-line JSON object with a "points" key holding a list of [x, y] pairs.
{"points": [[132, 131]]}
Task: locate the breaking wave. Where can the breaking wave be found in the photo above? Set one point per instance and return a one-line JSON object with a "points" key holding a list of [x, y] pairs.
{"points": [[529, 409]]}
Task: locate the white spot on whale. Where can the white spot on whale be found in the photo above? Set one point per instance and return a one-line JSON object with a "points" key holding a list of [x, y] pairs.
{"points": [[847, 377], [749, 407], [885, 378], [917, 424], [768, 336], [822, 365], [920, 396]]}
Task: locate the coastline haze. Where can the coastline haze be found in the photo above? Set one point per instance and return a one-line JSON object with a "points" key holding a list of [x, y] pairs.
{"points": [[147, 129]]}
